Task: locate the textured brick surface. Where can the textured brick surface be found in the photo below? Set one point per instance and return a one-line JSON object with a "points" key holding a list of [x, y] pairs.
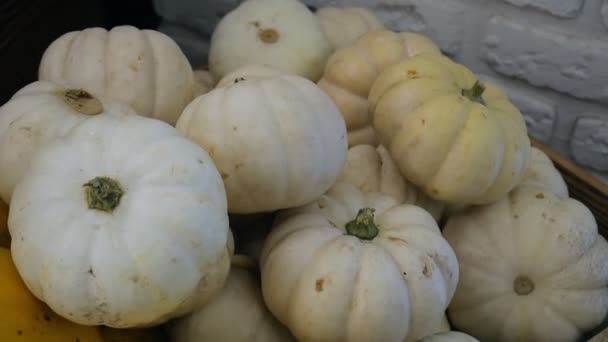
{"points": [[443, 21], [560, 8], [605, 13], [544, 56], [539, 112], [589, 143]]}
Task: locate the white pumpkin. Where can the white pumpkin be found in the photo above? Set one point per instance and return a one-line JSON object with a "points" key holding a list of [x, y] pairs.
{"points": [[542, 174], [344, 25], [278, 142], [122, 223], [236, 314], [34, 116], [532, 268], [458, 140], [451, 336], [143, 68], [371, 169], [351, 71], [358, 267], [250, 72], [203, 82], [284, 34]]}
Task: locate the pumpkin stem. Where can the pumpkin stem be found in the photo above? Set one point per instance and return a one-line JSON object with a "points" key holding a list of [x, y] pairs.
{"points": [[103, 193], [363, 225], [243, 261], [523, 285], [82, 101], [474, 94]]}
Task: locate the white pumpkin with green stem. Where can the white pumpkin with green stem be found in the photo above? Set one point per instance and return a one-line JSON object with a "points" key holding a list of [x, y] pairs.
{"points": [[358, 267], [123, 222], [283, 34], [344, 25], [532, 268], [458, 140], [351, 71], [371, 169], [278, 141], [34, 116], [143, 68], [240, 300]]}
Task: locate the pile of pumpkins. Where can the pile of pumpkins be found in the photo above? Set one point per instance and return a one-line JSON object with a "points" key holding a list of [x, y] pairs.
{"points": [[325, 179]]}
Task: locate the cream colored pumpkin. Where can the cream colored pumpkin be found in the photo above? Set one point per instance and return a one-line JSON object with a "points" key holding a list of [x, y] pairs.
{"points": [[203, 82], [351, 71], [460, 141], [542, 174], [344, 25], [532, 268], [121, 223], [451, 336], [284, 34], [357, 267], [250, 72], [236, 314], [143, 68], [37, 114], [278, 142], [371, 169]]}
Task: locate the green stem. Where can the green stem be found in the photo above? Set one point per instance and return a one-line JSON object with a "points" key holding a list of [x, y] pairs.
{"points": [[363, 225], [103, 193], [474, 94]]}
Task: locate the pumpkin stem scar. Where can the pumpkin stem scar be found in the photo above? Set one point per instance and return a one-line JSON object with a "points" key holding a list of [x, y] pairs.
{"points": [[82, 101], [103, 193], [523, 285], [363, 225], [268, 36], [474, 94]]}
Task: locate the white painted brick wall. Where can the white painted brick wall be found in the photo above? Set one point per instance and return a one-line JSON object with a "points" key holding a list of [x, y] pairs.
{"points": [[550, 56]]}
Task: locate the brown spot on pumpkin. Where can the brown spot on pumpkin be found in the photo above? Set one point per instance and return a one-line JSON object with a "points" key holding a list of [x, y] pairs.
{"points": [[435, 192], [239, 165], [19, 332], [426, 271], [91, 272], [268, 36], [515, 216], [134, 278], [235, 128], [224, 175], [319, 284], [255, 23], [396, 239], [423, 122], [412, 73], [540, 195], [544, 215], [47, 317]]}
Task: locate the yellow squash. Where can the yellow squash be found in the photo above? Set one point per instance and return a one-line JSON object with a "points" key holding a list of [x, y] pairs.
{"points": [[25, 318]]}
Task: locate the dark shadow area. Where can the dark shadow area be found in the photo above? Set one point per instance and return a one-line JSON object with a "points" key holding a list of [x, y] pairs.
{"points": [[27, 27]]}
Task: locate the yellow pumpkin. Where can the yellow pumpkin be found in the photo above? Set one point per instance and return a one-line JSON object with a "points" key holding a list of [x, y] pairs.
{"points": [[5, 238], [459, 140], [350, 72], [25, 318]]}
